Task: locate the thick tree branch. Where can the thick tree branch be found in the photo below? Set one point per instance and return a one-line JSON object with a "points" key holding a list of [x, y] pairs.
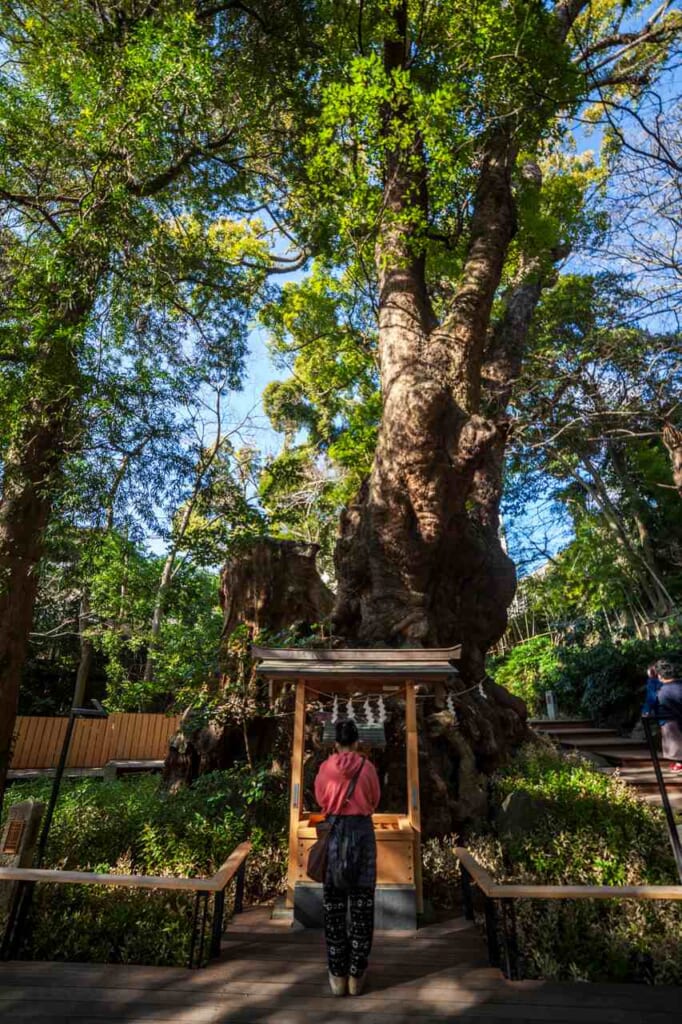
{"points": [[213, 10], [160, 181], [568, 12], [31, 203], [622, 42], [463, 332]]}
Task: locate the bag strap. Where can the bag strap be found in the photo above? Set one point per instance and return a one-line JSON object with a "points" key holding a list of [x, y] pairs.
{"points": [[353, 782]]}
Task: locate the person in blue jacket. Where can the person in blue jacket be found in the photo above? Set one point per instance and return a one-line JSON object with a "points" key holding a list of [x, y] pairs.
{"points": [[669, 671], [653, 685]]}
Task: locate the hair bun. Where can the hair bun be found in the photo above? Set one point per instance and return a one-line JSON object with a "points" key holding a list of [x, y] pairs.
{"points": [[347, 732]]}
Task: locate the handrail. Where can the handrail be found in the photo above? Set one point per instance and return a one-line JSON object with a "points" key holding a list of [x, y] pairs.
{"points": [[485, 882], [494, 890], [503, 896], [233, 867], [219, 880]]}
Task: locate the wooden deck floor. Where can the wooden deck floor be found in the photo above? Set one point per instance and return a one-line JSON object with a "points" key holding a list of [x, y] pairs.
{"points": [[269, 974]]}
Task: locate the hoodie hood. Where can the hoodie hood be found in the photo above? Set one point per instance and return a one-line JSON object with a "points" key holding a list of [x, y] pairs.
{"points": [[348, 763]]}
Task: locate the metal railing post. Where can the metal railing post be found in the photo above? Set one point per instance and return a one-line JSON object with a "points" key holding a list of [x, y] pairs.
{"points": [[202, 931], [47, 821], [491, 932], [467, 894], [23, 898], [193, 934], [19, 914], [669, 816], [511, 950], [217, 927]]}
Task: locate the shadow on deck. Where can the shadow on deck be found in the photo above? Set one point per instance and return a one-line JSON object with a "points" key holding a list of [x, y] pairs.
{"points": [[270, 973]]}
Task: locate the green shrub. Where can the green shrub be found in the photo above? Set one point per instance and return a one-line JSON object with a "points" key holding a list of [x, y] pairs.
{"points": [[100, 924], [528, 671], [440, 872], [593, 831], [604, 681], [133, 826]]}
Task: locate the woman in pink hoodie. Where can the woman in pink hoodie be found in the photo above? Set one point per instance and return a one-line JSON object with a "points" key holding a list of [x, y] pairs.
{"points": [[347, 789]]}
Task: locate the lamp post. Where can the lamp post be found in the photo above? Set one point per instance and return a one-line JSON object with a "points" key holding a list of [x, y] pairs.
{"points": [[97, 711], [23, 897]]}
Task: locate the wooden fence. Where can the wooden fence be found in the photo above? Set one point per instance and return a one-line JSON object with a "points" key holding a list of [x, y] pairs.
{"points": [[120, 737]]}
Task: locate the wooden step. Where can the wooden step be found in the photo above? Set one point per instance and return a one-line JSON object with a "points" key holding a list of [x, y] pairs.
{"points": [[655, 799], [596, 742], [646, 774], [648, 783], [624, 757], [558, 723], [576, 733]]}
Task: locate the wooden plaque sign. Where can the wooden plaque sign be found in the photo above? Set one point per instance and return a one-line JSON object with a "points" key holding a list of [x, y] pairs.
{"points": [[13, 835]]}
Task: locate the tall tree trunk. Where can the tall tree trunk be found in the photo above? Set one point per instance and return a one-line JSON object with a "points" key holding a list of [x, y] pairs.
{"points": [[646, 572], [204, 463], [87, 652], [30, 473], [640, 515], [419, 559], [157, 615], [672, 439]]}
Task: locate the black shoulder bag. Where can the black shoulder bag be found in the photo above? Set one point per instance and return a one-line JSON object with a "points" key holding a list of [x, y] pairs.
{"points": [[319, 851]]}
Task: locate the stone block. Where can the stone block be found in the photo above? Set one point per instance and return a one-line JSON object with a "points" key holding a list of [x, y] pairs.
{"points": [[519, 813], [395, 907]]}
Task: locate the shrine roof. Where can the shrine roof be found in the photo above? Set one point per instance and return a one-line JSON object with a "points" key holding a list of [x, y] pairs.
{"points": [[385, 664]]}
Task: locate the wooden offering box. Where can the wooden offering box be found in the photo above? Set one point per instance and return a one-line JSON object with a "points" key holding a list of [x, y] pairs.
{"points": [[397, 848], [350, 673]]}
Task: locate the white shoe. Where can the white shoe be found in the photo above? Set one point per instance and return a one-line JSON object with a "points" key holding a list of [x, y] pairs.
{"points": [[337, 985], [356, 983]]}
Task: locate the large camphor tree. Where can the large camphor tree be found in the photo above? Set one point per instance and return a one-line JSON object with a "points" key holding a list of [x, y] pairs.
{"points": [[441, 198], [438, 169]]}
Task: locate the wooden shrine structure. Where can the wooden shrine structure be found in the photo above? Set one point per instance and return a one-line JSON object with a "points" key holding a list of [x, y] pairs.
{"points": [[362, 673]]}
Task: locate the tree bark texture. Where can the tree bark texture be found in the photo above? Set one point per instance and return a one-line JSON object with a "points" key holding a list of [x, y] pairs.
{"points": [[31, 468], [274, 585], [271, 586], [418, 558]]}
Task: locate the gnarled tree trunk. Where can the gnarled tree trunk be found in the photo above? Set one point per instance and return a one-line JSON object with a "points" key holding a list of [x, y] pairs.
{"points": [[272, 585], [419, 559]]}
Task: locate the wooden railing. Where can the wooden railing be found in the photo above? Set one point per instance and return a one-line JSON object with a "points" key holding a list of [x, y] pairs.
{"points": [[233, 868], [499, 902], [96, 741]]}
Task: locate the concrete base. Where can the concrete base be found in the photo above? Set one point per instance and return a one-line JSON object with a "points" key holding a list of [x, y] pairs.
{"points": [[395, 907], [281, 912]]}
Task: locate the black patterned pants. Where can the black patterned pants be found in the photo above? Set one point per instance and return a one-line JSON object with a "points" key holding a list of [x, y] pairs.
{"points": [[348, 944]]}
